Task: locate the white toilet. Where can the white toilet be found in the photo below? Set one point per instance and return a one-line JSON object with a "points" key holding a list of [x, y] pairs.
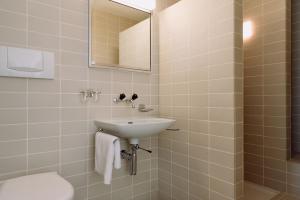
{"points": [[46, 186]]}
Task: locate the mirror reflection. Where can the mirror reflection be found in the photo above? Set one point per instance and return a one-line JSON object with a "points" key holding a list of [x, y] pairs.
{"points": [[120, 36]]}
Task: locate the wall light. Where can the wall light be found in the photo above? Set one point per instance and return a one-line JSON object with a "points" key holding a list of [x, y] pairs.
{"points": [[144, 5], [247, 30]]}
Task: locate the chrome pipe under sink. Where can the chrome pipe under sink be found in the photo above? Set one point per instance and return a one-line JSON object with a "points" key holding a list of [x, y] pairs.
{"points": [[133, 163], [132, 157]]}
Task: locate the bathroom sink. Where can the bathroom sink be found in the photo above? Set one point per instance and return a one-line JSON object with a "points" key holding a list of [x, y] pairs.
{"points": [[133, 129]]}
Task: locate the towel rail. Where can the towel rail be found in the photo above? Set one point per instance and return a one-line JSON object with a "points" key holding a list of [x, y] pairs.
{"points": [[173, 129], [100, 130]]}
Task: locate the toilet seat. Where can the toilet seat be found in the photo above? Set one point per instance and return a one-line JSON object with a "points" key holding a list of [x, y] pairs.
{"points": [[46, 186]]}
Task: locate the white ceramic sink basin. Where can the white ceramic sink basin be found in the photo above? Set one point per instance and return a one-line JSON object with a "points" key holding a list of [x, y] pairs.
{"points": [[133, 129]]}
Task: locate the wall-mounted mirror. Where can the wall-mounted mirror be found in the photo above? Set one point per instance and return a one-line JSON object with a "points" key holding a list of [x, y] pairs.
{"points": [[120, 36]]}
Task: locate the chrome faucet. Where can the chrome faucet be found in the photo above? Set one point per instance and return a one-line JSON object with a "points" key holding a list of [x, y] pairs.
{"points": [[122, 98], [131, 101]]}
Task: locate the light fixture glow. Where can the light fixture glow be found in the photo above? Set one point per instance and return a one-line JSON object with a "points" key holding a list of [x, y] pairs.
{"points": [[144, 5], [247, 30]]}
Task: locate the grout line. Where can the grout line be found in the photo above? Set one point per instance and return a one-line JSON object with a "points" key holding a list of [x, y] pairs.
{"points": [[27, 90], [189, 121], [208, 119], [170, 139], [27, 129], [60, 91], [263, 102], [88, 107]]}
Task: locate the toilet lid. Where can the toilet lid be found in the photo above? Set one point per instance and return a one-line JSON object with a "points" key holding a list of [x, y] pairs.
{"points": [[46, 186]]}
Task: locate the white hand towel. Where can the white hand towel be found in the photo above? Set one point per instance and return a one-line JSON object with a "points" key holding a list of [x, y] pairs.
{"points": [[107, 155]]}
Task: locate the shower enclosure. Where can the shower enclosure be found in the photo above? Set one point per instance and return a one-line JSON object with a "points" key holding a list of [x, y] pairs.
{"points": [[201, 86], [267, 93], [232, 99], [271, 94]]}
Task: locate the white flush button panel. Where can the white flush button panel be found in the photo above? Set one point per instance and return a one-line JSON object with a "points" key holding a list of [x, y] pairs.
{"points": [[20, 62]]}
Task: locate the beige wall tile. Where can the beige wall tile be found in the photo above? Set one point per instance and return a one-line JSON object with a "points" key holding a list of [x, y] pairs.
{"points": [[50, 2], [43, 145], [139, 189], [43, 11], [43, 41], [199, 139], [179, 194], [221, 100], [14, 5], [74, 32], [74, 59], [43, 100], [221, 114], [98, 189], [73, 141], [14, 116], [79, 6], [12, 36], [293, 192], [42, 160], [221, 86], [222, 144], [279, 186], [223, 188], [41, 86], [72, 155], [13, 132], [275, 164], [199, 126], [44, 26], [43, 115], [198, 152], [74, 18], [13, 164], [17, 21], [13, 148], [221, 158], [43, 130], [12, 100], [198, 192]]}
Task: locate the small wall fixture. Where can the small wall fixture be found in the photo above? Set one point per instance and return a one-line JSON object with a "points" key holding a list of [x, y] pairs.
{"points": [[144, 5], [90, 93], [247, 30]]}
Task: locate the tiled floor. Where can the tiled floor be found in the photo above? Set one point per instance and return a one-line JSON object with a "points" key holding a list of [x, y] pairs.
{"points": [[258, 192]]}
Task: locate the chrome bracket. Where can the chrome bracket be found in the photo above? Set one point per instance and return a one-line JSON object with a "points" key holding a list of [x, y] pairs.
{"points": [[173, 129]]}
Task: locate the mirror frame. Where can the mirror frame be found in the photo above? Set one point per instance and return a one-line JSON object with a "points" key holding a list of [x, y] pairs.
{"points": [[114, 66]]}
